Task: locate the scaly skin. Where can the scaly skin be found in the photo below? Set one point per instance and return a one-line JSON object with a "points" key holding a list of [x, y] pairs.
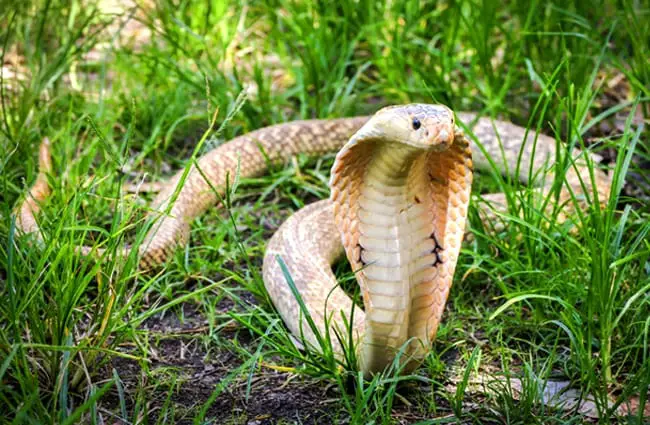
{"points": [[397, 209]]}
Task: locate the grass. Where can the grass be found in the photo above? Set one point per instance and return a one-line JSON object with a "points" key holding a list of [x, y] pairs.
{"points": [[200, 341]]}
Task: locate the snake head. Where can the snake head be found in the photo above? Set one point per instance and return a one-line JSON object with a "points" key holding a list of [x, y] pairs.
{"points": [[423, 126]]}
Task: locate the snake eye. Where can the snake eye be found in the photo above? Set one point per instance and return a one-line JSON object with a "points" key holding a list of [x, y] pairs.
{"points": [[416, 124]]}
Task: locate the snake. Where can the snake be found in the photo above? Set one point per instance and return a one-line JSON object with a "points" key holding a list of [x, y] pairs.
{"points": [[400, 189]]}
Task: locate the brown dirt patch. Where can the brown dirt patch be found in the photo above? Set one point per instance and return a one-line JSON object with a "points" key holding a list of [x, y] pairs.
{"points": [[185, 365]]}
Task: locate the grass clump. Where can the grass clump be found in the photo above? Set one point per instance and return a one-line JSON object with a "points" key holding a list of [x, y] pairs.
{"points": [[122, 94]]}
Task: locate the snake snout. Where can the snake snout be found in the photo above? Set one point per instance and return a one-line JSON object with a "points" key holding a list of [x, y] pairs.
{"points": [[444, 137], [440, 138]]}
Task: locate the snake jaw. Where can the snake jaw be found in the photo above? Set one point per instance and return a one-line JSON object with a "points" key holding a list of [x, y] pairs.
{"points": [[442, 138]]}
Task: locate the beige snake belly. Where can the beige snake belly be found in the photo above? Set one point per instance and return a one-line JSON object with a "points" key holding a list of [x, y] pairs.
{"points": [[397, 210]]}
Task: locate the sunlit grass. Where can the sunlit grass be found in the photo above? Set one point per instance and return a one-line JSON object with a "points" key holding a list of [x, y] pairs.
{"points": [[541, 300]]}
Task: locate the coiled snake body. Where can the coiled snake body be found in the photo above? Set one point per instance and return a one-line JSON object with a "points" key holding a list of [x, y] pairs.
{"points": [[400, 188]]}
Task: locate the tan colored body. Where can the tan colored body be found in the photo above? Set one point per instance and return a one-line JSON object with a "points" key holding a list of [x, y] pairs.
{"points": [[397, 210]]}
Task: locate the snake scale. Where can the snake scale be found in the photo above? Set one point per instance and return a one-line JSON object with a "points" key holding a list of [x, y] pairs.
{"points": [[400, 189]]}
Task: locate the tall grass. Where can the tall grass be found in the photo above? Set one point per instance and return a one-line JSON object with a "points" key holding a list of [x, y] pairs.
{"points": [[541, 300]]}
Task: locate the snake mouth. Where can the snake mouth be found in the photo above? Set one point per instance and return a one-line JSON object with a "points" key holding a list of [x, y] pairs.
{"points": [[440, 139]]}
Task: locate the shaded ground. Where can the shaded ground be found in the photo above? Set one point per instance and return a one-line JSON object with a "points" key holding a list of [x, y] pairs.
{"points": [[178, 349]]}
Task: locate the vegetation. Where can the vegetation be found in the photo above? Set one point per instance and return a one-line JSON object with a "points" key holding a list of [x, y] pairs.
{"points": [[123, 95]]}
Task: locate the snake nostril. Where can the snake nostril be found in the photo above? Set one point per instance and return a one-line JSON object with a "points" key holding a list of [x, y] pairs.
{"points": [[443, 136]]}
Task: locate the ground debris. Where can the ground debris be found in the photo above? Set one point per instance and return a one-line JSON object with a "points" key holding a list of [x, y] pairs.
{"points": [[552, 393]]}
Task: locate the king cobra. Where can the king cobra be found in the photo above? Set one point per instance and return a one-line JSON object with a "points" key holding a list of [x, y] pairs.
{"points": [[400, 189]]}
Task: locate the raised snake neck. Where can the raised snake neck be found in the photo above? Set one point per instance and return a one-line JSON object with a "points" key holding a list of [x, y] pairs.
{"points": [[509, 146]]}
